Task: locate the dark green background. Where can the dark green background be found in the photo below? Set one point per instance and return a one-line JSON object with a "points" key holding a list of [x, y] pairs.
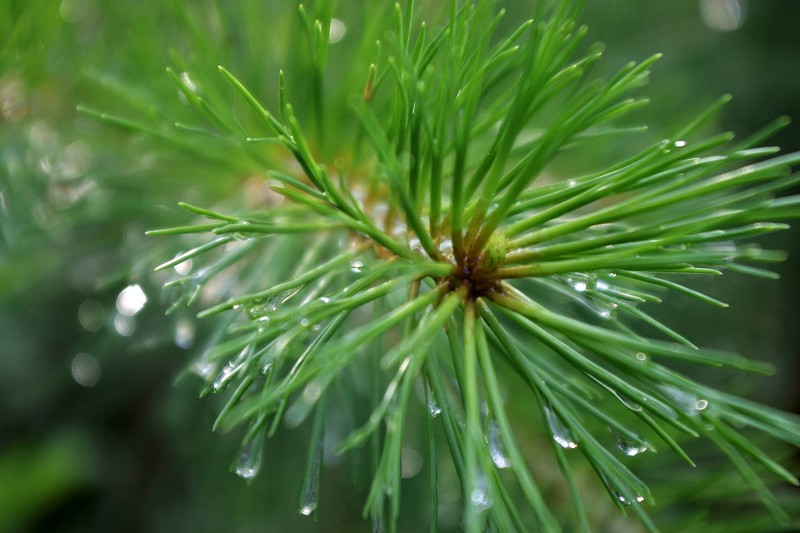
{"points": [[135, 452]]}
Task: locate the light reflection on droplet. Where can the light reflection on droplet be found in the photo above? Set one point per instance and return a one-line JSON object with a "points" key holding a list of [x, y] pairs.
{"points": [[312, 392], [184, 334], [722, 15], [410, 462], [700, 404], [184, 267], [131, 300], [187, 80], [124, 325], [337, 31], [91, 315], [85, 370]]}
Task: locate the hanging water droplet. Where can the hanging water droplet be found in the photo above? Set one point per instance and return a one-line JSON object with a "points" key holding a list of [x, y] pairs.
{"points": [[496, 449], [309, 498], [184, 334], [629, 448], [433, 408], [410, 463], [249, 460], [479, 497], [561, 433], [224, 377]]}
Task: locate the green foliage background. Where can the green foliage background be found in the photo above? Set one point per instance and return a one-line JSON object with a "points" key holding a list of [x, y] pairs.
{"points": [[135, 451]]}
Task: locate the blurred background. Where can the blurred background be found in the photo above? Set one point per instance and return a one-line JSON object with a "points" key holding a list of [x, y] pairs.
{"points": [[101, 429]]}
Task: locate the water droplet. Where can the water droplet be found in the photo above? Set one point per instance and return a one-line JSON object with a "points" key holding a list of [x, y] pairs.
{"points": [[184, 267], [324, 300], [605, 310], [699, 405], [309, 498], [184, 334], [410, 462], [496, 449], [249, 461], [688, 402], [571, 183], [628, 448], [561, 433], [85, 370], [304, 322], [479, 497], [187, 80], [722, 15], [337, 31], [582, 282], [242, 236], [356, 266], [641, 356], [224, 377], [680, 144], [124, 325], [131, 300], [625, 501], [433, 407], [91, 315], [416, 246]]}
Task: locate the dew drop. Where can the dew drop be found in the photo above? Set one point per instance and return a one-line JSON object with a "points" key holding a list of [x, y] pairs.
{"points": [[629, 448], [249, 461], [184, 334], [479, 497], [91, 315], [337, 31], [700, 405], [625, 501], [224, 377], [187, 80], [582, 282], [641, 356], [561, 433], [433, 408], [85, 370], [309, 498], [356, 266], [410, 463], [680, 144], [131, 300], [496, 449]]}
